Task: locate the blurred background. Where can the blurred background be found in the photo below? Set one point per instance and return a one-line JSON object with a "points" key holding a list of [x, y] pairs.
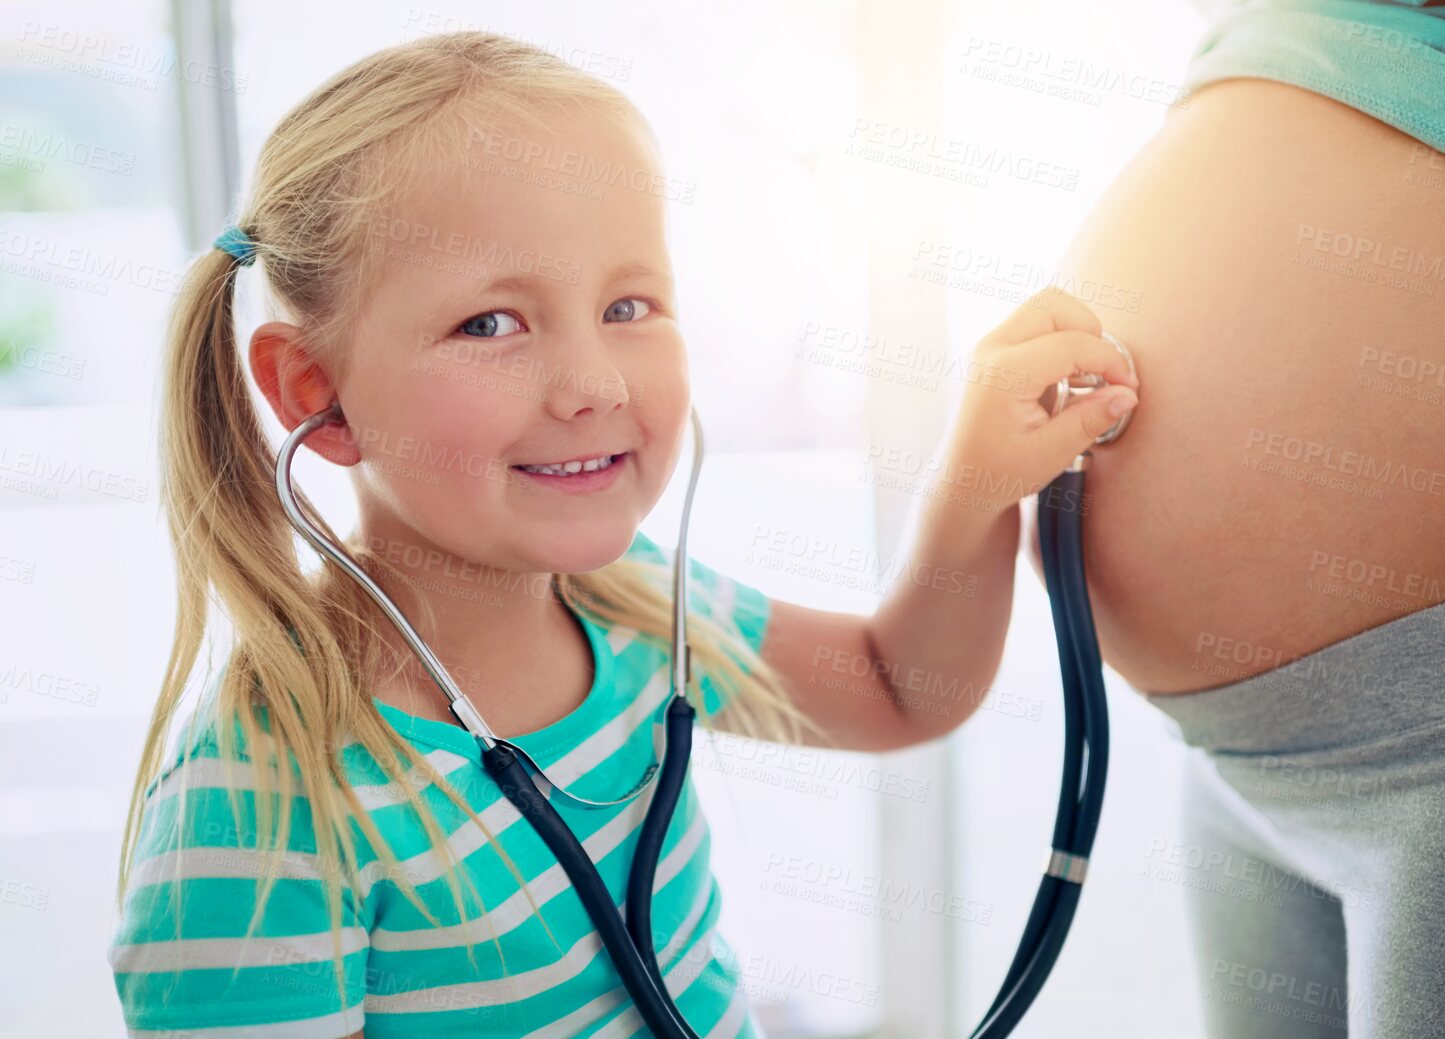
{"points": [[827, 154]]}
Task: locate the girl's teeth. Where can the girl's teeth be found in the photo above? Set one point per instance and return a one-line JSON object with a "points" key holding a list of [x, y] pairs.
{"points": [[570, 467]]}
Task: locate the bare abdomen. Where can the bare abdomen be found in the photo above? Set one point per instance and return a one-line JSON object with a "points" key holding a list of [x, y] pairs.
{"points": [[1282, 485]]}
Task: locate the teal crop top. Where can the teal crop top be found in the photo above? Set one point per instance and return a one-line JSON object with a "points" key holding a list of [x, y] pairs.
{"points": [[1385, 58]]}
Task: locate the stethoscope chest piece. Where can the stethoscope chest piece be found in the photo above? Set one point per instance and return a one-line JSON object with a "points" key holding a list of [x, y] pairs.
{"points": [[1081, 384]]}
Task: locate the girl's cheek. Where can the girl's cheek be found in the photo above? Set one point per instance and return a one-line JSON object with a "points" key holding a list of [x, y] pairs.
{"points": [[436, 427]]}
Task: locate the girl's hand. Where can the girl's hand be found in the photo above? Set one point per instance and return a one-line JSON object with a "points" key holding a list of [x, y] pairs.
{"points": [[1001, 447], [1003, 444]]}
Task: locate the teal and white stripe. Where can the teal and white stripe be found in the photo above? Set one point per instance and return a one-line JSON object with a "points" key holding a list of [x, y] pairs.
{"points": [[401, 975]]}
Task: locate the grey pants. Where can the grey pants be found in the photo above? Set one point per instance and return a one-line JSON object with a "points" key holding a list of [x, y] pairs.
{"points": [[1314, 857]]}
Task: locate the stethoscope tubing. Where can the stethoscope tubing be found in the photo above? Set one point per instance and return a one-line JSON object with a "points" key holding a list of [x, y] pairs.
{"points": [[642, 877], [1086, 743], [639, 973]]}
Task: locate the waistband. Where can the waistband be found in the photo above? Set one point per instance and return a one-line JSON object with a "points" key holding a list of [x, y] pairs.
{"points": [[1379, 681], [1384, 59]]}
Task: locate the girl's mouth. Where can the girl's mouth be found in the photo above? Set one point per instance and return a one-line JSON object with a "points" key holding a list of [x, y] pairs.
{"points": [[578, 477]]}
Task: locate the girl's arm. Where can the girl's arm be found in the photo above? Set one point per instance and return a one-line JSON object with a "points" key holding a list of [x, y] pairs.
{"points": [[918, 667], [921, 665]]}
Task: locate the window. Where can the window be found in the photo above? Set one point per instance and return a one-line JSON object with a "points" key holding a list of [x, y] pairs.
{"points": [[92, 244]]}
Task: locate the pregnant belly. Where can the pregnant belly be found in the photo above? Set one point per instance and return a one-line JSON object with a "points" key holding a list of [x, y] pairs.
{"points": [[1282, 484]]}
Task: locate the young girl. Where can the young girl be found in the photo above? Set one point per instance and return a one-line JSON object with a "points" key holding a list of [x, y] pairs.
{"points": [[464, 245]]}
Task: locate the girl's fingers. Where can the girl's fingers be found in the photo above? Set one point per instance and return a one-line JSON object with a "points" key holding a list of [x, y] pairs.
{"points": [[1057, 355], [1049, 310], [1075, 428]]}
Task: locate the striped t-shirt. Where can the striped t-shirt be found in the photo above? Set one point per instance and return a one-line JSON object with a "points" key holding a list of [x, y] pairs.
{"points": [[402, 975]]}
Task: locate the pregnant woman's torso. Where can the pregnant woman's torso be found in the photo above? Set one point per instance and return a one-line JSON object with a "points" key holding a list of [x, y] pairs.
{"points": [[1282, 484]]}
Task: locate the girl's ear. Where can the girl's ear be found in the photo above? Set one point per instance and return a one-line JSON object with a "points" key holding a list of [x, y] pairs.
{"points": [[296, 388]]}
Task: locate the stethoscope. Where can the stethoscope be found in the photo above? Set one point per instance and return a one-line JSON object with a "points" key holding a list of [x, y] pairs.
{"points": [[629, 940]]}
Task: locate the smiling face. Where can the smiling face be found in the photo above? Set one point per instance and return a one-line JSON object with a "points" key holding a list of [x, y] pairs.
{"points": [[523, 314]]}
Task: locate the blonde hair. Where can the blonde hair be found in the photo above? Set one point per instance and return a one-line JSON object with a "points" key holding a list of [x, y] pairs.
{"points": [[342, 154]]}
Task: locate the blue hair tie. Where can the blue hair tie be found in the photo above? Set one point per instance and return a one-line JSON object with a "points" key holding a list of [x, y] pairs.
{"points": [[238, 243]]}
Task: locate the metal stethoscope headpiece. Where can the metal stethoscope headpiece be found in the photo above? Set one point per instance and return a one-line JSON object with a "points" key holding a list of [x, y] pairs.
{"points": [[1081, 384], [457, 700]]}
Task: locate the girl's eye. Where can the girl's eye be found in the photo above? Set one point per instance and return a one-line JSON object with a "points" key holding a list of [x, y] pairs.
{"points": [[490, 325], [626, 310], [493, 324]]}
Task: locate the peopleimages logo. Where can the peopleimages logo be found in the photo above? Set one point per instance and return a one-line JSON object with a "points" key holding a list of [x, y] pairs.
{"points": [[428, 240], [820, 765], [569, 163]]}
